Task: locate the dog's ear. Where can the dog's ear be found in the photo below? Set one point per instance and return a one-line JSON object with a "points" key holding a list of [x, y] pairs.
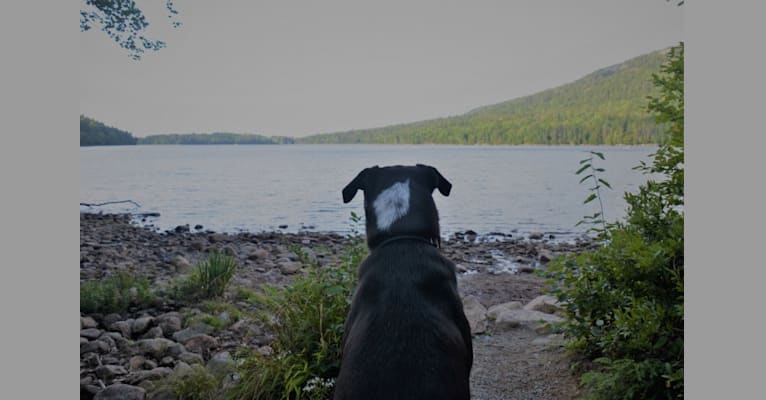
{"points": [[439, 182], [359, 183]]}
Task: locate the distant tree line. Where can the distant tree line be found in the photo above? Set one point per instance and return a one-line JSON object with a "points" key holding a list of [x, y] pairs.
{"points": [[605, 107], [95, 133], [213, 138]]}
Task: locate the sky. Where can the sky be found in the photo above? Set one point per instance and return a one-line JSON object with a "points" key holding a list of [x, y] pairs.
{"points": [[295, 68]]}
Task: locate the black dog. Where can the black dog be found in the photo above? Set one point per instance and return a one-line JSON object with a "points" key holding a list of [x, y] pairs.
{"points": [[406, 336]]}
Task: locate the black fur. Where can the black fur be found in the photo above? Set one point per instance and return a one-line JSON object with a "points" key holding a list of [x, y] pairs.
{"points": [[406, 336]]}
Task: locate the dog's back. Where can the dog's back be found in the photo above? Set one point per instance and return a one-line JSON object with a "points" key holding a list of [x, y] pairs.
{"points": [[406, 336]]}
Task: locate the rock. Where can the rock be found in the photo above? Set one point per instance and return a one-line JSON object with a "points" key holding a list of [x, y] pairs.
{"points": [[109, 372], [120, 391], [182, 369], [198, 328], [266, 350], [170, 323], [96, 346], [290, 267], [141, 325], [87, 392], [190, 358], [198, 245], [282, 226], [148, 375], [90, 333], [124, 327], [109, 319], [175, 349], [116, 338], [221, 363], [201, 344], [152, 333], [536, 235], [137, 363], [83, 340], [476, 314], [198, 227], [216, 237], [229, 251], [155, 348], [310, 254], [258, 254], [87, 323], [167, 361], [545, 255], [545, 303], [494, 311], [181, 229], [515, 318], [181, 263]]}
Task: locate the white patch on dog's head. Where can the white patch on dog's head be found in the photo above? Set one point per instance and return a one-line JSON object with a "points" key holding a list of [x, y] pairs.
{"points": [[392, 204]]}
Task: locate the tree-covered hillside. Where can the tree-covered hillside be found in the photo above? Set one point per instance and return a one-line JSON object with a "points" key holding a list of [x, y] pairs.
{"points": [[213, 138], [95, 133], [605, 107]]}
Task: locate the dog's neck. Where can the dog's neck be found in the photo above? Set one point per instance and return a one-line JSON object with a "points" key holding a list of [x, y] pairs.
{"points": [[436, 242]]}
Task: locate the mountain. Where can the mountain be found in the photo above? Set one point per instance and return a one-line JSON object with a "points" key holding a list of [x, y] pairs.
{"points": [[95, 133], [607, 106]]}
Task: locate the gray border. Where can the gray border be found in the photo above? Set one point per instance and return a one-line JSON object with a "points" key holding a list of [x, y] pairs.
{"points": [[724, 351], [38, 165]]}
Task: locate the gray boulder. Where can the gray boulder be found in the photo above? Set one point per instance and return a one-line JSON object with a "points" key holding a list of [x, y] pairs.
{"points": [[476, 314], [496, 310], [120, 391]]}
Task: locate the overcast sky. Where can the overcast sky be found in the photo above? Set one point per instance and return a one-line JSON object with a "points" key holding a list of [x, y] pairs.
{"points": [[294, 68]]}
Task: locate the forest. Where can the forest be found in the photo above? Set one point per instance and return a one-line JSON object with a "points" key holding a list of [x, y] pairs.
{"points": [[213, 138], [607, 106], [95, 133]]}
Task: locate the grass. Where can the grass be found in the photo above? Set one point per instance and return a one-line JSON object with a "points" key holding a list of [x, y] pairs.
{"points": [[307, 319], [116, 293], [207, 280]]}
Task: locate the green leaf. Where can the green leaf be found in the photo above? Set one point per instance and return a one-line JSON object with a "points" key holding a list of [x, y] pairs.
{"points": [[583, 179], [583, 168], [590, 198], [599, 170], [600, 155], [605, 183], [586, 160]]}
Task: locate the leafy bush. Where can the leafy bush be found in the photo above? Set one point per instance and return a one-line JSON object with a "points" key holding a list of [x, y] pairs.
{"points": [[624, 300], [116, 293], [307, 318], [208, 279]]}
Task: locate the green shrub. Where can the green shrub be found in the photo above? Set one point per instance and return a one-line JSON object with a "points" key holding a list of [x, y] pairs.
{"points": [[307, 319], [212, 315], [115, 293], [624, 300], [207, 280], [196, 384]]}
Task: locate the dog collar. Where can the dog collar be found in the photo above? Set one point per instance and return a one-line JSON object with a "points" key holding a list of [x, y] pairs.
{"points": [[432, 242]]}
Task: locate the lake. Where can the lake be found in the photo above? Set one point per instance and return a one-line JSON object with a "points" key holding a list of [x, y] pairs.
{"points": [[254, 188]]}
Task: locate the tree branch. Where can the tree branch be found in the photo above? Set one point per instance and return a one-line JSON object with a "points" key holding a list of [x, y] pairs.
{"points": [[109, 202]]}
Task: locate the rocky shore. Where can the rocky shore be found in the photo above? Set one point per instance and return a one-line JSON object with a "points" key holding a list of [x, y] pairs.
{"points": [[122, 355]]}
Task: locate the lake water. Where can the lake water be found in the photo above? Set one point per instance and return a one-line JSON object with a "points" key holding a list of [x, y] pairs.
{"points": [[509, 189]]}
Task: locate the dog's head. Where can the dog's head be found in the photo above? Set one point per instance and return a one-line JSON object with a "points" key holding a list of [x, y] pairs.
{"points": [[398, 202]]}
